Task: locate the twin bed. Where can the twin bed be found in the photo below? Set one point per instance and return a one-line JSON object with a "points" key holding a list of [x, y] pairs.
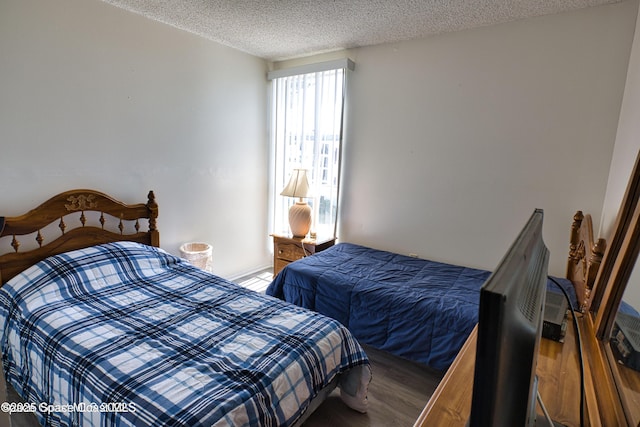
{"points": [[135, 336], [414, 308]]}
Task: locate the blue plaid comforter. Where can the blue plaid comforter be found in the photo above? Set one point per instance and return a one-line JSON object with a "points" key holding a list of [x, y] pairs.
{"points": [[125, 334]]}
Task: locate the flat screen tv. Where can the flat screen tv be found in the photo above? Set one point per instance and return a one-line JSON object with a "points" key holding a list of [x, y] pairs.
{"points": [[509, 330]]}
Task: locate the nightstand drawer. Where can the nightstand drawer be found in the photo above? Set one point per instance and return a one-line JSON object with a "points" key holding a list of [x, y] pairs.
{"points": [[279, 264], [289, 251]]}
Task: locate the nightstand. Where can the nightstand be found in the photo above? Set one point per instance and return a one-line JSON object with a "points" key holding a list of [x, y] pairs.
{"points": [[287, 249]]}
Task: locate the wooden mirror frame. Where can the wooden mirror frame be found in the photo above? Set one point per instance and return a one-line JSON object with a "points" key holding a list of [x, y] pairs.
{"points": [[611, 276], [616, 268]]}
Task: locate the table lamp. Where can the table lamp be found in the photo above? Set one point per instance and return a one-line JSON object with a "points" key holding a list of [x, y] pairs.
{"points": [[300, 212]]}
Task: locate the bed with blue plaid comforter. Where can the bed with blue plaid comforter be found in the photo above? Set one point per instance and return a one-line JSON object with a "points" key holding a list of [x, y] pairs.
{"points": [[128, 335]]}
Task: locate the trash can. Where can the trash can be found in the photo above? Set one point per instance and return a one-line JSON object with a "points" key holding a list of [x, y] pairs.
{"points": [[198, 254]]}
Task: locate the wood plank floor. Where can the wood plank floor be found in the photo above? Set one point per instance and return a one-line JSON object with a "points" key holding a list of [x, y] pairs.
{"points": [[397, 394]]}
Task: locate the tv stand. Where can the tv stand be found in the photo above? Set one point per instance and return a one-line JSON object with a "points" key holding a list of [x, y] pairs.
{"points": [[559, 385]]}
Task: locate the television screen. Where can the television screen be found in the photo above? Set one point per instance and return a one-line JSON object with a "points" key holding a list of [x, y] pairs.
{"points": [[509, 329]]}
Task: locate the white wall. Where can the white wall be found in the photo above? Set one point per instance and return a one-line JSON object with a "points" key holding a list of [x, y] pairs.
{"points": [[625, 152], [627, 142], [446, 138], [94, 96], [453, 140]]}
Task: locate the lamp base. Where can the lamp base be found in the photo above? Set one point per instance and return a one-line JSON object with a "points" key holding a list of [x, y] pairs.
{"points": [[300, 218]]}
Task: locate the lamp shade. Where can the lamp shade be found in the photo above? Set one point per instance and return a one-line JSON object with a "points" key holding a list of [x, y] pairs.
{"points": [[298, 185]]}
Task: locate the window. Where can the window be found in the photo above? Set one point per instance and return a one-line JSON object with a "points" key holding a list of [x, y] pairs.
{"points": [[307, 123]]}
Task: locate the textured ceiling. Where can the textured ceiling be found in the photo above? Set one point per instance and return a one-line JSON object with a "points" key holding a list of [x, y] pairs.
{"points": [[284, 29]]}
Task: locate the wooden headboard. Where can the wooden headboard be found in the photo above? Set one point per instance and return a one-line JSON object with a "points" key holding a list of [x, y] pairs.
{"points": [[83, 218], [585, 256]]}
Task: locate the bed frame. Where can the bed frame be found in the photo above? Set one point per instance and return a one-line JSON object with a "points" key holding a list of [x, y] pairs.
{"points": [[585, 257], [75, 212]]}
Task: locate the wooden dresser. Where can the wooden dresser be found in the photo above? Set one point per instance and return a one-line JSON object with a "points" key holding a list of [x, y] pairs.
{"points": [[287, 249], [558, 373], [559, 384]]}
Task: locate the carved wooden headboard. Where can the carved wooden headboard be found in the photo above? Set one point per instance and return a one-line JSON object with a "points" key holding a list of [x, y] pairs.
{"points": [[585, 257], [83, 218]]}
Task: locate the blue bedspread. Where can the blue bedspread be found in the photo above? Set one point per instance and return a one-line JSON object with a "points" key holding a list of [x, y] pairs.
{"points": [[414, 308], [164, 343]]}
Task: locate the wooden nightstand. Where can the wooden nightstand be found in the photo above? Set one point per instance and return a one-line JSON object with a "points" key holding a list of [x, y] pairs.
{"points": [[289, 249]]}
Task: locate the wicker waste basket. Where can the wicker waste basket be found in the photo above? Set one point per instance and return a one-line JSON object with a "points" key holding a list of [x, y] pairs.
{"points": [[198, 254]]}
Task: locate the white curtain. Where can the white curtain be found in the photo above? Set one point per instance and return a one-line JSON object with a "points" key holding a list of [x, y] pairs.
{"points": [[307, 133]]}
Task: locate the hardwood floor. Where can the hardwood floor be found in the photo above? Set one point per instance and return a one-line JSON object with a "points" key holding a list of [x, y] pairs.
{"points": [[397, 394]]}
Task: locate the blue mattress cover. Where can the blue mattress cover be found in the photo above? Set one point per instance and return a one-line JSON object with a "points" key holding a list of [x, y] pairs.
{"points": [[414, 308]]}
